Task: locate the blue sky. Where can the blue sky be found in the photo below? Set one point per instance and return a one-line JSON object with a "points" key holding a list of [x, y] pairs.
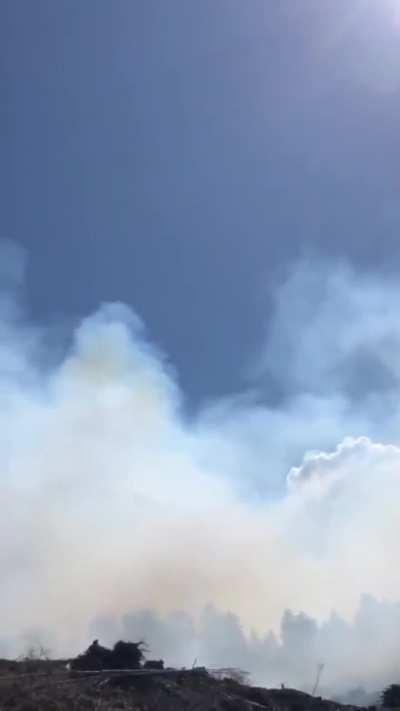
{"points": [[179, 156]]}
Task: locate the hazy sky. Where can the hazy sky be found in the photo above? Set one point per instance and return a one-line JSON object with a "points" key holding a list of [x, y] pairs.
{"points": [[229, 172], [179, 155]]}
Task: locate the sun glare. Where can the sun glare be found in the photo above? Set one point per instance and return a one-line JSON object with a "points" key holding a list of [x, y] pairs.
{"points": [[392, 9]]}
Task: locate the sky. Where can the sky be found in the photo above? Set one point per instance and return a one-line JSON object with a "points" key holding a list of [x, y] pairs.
{"points": [[179, 156], [199, 331]]}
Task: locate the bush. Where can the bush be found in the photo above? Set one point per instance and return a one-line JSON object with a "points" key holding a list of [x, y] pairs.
{"points": [[124, 655]]}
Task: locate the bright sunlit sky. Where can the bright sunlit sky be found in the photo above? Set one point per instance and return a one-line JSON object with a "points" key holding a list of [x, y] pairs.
{"points": [[180, 155]]}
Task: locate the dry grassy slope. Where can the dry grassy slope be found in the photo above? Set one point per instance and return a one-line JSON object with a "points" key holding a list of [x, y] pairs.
{"points": [[48, 687]]}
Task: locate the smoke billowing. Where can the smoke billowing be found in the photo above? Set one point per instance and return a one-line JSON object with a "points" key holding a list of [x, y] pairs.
{"points": [[259, 535]]}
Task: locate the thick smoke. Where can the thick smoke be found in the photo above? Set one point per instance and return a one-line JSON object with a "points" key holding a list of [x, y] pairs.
{"points": [[117, 512], [348, 650]]}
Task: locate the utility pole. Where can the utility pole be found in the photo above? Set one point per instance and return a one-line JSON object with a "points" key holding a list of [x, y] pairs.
{"points": [[320, 668]]}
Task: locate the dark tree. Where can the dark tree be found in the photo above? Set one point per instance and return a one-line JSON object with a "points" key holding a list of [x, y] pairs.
{"points": [[391, 696]]}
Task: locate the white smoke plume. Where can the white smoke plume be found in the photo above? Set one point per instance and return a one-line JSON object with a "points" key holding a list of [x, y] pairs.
{"points": [[114, 504]]}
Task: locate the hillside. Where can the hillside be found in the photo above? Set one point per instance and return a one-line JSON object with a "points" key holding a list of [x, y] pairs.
{"points": [[50, 686]]}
